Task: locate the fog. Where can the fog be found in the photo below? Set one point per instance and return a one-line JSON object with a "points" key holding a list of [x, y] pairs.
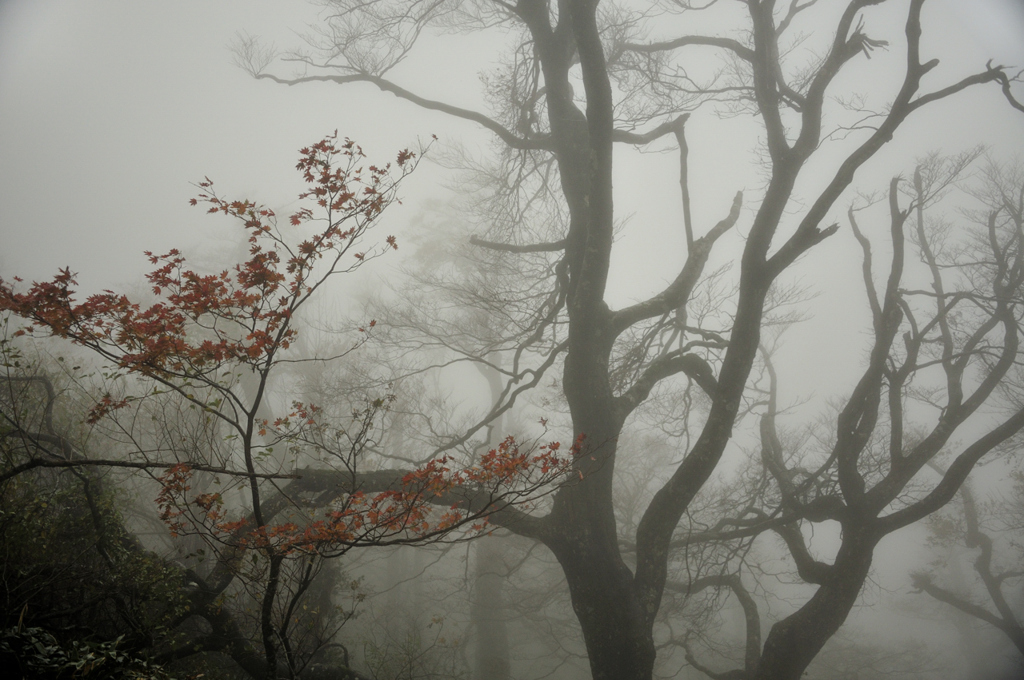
{"points": [[692, 359]]}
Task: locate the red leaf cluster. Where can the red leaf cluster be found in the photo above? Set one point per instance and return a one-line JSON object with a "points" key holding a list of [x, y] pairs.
{"points": [[241, 315], [506, 475]]}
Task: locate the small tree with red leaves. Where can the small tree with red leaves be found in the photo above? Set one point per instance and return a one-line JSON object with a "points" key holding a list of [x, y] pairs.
{"points": [[206, 331]]}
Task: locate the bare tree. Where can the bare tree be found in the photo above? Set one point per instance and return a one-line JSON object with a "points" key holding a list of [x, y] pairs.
{"points": [[995, 578], [583, 77]]}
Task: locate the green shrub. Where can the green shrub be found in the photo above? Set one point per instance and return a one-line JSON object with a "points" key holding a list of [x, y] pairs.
{"points": [[36, 654]]}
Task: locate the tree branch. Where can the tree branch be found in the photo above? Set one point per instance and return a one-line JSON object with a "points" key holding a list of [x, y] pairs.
{"points": [[551, 247], [678, 292], [736, 47], [502, 132]]}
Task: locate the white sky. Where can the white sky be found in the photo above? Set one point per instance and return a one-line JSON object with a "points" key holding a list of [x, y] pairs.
{"points": [[110, 109]]}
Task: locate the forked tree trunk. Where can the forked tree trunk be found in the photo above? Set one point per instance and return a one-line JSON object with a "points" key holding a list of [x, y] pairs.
{"points": [[794, 642]]}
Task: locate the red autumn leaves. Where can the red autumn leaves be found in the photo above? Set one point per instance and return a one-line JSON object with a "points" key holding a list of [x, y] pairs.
{"points": [[203, 327], [241, 315], [425, 503]]}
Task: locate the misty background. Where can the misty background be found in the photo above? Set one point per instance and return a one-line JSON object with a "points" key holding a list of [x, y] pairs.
{"points": [[110, 112]]}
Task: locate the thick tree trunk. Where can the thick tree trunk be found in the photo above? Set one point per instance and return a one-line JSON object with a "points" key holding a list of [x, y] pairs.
{"points": [[615, 626], [619, 640]]}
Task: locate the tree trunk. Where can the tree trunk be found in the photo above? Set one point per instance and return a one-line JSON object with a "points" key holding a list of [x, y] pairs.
{"points": [[794, 642], [488, 616], [616, 629], [487, 613], [620, 644]]}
